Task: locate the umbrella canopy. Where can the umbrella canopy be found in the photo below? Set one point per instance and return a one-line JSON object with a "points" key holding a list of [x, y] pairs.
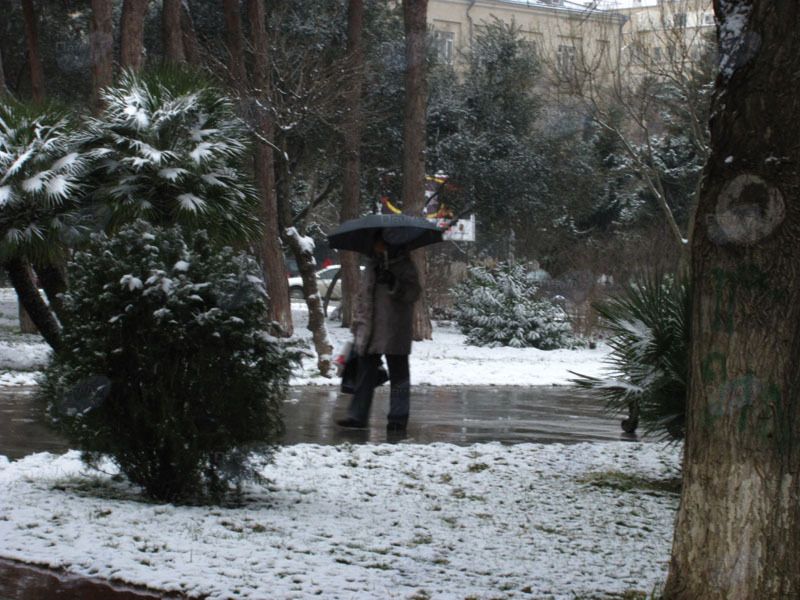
{"points": [[396, 230]]}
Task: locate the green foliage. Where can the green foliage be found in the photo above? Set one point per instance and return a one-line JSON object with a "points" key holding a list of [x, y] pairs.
{"points": [[499, 307], [167, 367], [41, 179], [648, 365], [481, 134], [173, 152]]}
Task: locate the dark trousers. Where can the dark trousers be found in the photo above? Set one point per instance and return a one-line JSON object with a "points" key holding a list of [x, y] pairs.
{"points": [[365, 387]]}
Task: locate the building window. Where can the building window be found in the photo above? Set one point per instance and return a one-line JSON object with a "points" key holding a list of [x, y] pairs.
{"points": [[708, 18], [566, 60], [658, 54], [680, 19], [445, 46]]}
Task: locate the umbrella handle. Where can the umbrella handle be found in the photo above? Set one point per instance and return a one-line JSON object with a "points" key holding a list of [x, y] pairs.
{"points": [[455, 219]]}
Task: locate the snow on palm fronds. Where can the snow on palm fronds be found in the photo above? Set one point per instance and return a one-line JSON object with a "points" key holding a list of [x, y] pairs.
{"points": [[499, 307], [648, 365], [40, 179], [176, 154]]}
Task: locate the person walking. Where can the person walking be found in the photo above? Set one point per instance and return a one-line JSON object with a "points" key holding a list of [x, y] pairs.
{"points": [[383, 325]]}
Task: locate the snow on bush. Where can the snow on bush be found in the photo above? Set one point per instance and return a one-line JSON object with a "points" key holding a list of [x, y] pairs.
{"points": [[167, 366], [499, 307], [648, 368], [173, 152]]}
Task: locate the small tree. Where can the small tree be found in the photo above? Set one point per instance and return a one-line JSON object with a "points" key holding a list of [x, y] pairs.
{"points": [[499, 307], [173, 153], [41, 178], [167, 366], [649, 360]]}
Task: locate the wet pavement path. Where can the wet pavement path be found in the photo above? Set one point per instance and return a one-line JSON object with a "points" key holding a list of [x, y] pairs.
{"points": [[454, 415], [20, 581], [511, 415]]}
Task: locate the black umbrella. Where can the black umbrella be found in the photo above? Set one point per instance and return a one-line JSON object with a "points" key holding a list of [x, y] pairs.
{"points": [[396, 230]]}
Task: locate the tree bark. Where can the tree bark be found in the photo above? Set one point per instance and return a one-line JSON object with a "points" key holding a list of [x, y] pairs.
{"points": [[414, 133], [191, 47], [54, 282], [235, 42], [34, 59], [737, 533], [3, 87], [351, 176], [101, 48], [271, 252], [316, 313], [132, 34], [19, 274], [172, 34]]}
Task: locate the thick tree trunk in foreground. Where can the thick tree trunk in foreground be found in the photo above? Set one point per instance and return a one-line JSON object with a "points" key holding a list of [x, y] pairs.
{"points": [[131, 52], [280, 307], [19, 274], [34, 59], [171, 32], [351, 176], [414, 132], [101, 47], [737, 534]]}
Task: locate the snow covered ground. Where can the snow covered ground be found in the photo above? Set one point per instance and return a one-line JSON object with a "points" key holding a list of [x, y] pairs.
{"points": [[368, 521], [444, 361]]}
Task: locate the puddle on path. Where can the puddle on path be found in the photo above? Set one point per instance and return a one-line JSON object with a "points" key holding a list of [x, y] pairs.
{"points": [[463, 416]]}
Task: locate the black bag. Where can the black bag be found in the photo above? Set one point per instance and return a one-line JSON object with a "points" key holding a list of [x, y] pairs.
{"points": [[350, 373]]}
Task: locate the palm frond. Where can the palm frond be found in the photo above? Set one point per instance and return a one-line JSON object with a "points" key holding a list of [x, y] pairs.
{"points": [[648, 364]]}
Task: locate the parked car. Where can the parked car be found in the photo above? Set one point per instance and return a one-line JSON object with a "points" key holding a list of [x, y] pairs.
{"points": [[324, 278]]}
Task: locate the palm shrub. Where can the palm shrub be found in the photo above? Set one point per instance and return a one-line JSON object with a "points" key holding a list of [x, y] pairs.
{"points": [[167, 366], [173, 153], [648, 365], [499, 307], [41, 184]]}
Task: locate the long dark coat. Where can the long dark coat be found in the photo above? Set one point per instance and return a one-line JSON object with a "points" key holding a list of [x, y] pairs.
{"points": [[384, 318]]}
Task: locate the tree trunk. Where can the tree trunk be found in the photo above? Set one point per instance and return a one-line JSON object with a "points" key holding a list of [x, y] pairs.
{"points": [[34, 60], [54, 282], [316, 313], [132, 34], [414, 132], [235, 42], [3, 87], [280, 307], [172, 34], [351, 176], [26, 324], [101, 47], [19, 274], [191, 47], [737, 533]]}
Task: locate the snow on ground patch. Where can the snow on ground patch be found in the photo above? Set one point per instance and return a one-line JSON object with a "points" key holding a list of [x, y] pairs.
{"points": [[371, 521], [447, 360], [21, 356]]}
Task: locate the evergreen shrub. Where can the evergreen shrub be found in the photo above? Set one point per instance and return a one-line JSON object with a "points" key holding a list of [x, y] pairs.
{"points": [[168, 367], [648, 367], [499, 307]]}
